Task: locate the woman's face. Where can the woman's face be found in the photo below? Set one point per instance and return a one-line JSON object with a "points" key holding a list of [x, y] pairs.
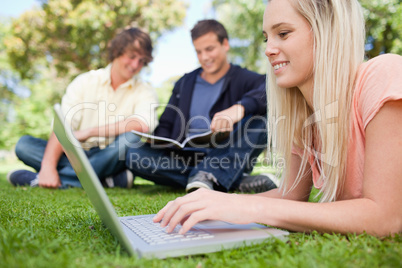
{"points": [[289, 45]]}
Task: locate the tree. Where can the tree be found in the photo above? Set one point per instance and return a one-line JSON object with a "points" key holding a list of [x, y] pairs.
{"points": [[44, 48], [383, 26], [6, 78], [10, 87], [72, 35], [243, 21]]}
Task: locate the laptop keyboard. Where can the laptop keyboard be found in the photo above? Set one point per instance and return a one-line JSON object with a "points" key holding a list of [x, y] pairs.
{"points": [[153, 234]]}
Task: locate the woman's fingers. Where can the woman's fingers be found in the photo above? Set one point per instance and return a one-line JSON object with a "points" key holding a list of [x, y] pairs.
{"points": [[177, 211], [184, 213], [159, 216], [199, 206], [193, 219]]}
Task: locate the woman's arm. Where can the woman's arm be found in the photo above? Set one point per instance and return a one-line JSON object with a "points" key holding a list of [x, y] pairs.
{"points": [[301, 192], [202, 204], [378, 212]]}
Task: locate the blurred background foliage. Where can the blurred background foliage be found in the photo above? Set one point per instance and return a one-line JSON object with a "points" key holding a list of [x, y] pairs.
{"points": [[243, 20], [43, 49]]}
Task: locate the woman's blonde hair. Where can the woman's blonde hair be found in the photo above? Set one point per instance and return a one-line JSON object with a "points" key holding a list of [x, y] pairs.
{"points": [[338, 30]]}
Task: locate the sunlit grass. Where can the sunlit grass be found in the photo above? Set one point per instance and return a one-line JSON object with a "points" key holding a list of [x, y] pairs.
{"points": [[60, 228]]}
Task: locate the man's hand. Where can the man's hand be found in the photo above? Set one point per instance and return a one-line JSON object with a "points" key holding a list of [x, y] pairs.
{"points": [[223, 121], [49, 178], [82, 135], [112, 130]]}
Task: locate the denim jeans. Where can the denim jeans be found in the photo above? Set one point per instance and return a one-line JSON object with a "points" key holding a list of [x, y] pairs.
{"points": [[227, 163], [106, 162]]}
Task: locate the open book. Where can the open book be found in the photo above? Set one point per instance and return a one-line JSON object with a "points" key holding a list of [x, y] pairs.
{"points": [[202, 140]]}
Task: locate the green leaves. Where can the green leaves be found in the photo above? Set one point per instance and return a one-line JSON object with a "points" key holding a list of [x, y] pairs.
{"points": [[243, 20], [45, 48], [383, 26], [72, 36]]}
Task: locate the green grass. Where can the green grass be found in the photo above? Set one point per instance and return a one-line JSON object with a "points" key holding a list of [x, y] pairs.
{"points": [[54, 228]]}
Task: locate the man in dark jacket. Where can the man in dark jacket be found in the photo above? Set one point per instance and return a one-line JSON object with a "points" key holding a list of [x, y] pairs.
{"points": [[225, 99]]}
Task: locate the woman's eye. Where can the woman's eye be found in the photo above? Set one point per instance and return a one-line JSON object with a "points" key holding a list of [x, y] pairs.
{"points": [[283, 34]]}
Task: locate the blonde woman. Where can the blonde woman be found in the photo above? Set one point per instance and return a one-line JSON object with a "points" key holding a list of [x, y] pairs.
{"points": [[337, 123]]}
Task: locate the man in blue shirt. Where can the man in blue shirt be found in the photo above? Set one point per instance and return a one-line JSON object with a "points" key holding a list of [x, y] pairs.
{"points": [[220, 97]]}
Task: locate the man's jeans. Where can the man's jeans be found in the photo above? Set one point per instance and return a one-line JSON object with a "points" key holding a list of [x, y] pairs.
{"points": [[227, 164], [106, 162]]}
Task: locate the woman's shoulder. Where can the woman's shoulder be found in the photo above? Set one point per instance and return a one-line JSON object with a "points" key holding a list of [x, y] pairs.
{"points": [[383, 62], [382, 69], [379, 80]]}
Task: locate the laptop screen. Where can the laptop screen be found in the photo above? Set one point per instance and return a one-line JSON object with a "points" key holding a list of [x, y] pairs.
{"points": [[88, 178]]}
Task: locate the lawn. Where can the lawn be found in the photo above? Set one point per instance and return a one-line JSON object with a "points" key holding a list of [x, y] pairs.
{"points": [[54, 228]]}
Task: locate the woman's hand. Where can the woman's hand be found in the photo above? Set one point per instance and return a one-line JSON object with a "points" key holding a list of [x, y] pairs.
{"points": [[205, 205]]}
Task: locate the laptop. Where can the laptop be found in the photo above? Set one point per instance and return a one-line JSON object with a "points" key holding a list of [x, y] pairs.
{"points": [[138, 234]]}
